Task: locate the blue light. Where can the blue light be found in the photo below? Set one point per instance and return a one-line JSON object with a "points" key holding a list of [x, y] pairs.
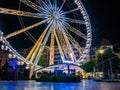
{"points": [[13, 63]]}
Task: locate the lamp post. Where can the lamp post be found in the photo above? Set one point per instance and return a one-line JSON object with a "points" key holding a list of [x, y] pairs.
{"points": [[102, 52], [111, 71]]}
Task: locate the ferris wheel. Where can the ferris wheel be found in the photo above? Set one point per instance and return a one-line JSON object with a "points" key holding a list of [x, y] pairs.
{"points": [[62, 24]]}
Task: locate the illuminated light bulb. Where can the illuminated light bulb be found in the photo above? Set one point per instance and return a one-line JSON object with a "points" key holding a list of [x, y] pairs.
{"points": [[85, 17], [88, 28], [14, 56], [86, 23], [10, 50], [22, 63], [18, 62], [80, 7], [3, 41], [1, 38], [18, 57], [2, 47], [82, 60], [82, 11], [6, 47], [76, 1], [10, 55], [27, 67]]}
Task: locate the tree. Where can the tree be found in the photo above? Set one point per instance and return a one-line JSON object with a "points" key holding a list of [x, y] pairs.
{"points": [[88, 66], [42, 61], [107, 53]]}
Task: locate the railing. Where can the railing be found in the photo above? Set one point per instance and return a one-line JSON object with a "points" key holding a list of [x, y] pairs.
{"points": [[108, 69]]}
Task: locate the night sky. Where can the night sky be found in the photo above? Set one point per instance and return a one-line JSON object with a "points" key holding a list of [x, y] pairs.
{"points": [[104, 16]]}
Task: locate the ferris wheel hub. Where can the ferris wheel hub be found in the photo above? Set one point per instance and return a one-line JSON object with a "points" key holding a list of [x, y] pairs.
{"points": [[56, 15]]}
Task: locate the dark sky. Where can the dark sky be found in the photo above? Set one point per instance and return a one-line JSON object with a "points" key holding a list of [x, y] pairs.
{"points": [[104, 16]]}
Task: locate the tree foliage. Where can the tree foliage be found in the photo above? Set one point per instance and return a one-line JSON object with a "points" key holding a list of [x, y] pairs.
{"points": [[88, 66], [105, 55], [42, 61]]}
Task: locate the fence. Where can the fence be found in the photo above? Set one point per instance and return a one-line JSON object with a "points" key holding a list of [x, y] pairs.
{"points": [[108, 69]]}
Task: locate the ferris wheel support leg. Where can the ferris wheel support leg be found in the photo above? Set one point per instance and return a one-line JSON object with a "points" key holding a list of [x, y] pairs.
{"points": [[32, 54], [51, 62], [37, 47], [61, 40], [59, 47], [41, 48], [71, 53]]}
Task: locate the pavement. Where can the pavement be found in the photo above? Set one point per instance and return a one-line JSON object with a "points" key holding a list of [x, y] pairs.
{"points": [[33, 85]]}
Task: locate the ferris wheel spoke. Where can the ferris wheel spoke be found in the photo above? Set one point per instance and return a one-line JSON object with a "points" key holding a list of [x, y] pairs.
{"points": [[43, 9], [74, 20], [71, 53], [67, 12], [61, 40], [21, 13], [55, 5], [74, 30], [30, 36], [33, 53], [63, 44], [31, 4], [50, 4], [25, 29], [60, 37], [45, 6], [43, 45], [34, 6], [74, 42], [59, 47], [40, 46], [62, 5]]}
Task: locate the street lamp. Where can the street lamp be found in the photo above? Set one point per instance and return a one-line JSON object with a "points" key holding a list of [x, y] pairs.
{"points": [[102, 52]]}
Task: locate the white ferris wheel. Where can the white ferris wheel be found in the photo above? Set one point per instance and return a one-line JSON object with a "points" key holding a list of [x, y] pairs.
{"points": [[63, 24]]}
